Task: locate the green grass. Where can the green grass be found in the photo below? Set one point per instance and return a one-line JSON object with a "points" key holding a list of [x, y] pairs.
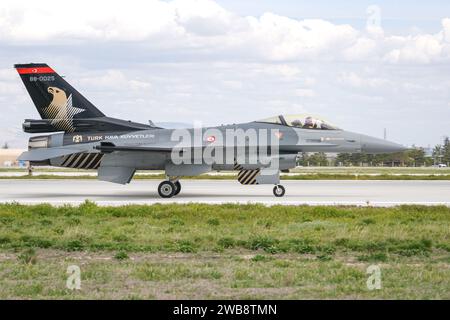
{"points": [[28, 256], [224, 251], [121, 255], [403, 230]]}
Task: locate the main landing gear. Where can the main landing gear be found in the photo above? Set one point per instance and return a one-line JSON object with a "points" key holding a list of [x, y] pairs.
{"points": [[168, 189], [279, 190], [177, 187]]}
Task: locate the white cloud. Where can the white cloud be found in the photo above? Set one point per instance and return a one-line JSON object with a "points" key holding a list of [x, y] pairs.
{"points": [[183, 25], [362, 48], [113, 79], [282, 38], [422, 49], [283, 70], [101, 20], [205, 18], [354, 80], [309, 81], [236, 85], [7, 74], [446, 29], [306, 93], [7, 86]]}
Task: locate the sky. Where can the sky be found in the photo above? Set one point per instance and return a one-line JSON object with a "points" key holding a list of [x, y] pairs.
{"points": [[362, 65]]}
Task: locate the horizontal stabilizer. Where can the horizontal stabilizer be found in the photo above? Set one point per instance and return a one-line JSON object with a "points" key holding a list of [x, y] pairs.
{"points": [[48, 153], [121, 175]]}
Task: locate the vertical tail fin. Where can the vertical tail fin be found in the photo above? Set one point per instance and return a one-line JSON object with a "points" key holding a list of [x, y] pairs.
{"points": [[54, 98]]}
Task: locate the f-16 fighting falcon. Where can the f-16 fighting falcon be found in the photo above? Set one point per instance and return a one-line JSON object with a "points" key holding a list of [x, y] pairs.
{"points": [[78, 135]]}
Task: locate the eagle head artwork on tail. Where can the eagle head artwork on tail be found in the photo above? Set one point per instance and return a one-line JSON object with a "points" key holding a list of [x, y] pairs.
{"points": [[61, 110], [58, 103]]}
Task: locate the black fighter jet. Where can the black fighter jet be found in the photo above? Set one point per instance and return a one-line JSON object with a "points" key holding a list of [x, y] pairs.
{"points": [[78, 135]]}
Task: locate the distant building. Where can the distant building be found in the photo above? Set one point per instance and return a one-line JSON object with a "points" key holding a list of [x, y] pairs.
{"points": [[8, 157]]}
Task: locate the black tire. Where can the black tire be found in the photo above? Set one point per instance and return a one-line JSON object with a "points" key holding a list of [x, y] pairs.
{"points": [[279, 191], [166, 189], [177, 188]]}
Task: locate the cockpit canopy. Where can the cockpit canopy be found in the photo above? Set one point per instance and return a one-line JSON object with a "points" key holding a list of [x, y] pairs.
{"points": [[301, 121]]}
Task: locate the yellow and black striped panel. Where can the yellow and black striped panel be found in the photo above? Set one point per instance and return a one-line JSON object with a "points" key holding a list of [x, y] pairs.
{"points": [[248, 176], [82, 160], [237, 166]]}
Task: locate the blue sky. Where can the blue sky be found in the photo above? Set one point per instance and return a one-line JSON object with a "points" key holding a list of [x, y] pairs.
{"points": [[236, 61]]}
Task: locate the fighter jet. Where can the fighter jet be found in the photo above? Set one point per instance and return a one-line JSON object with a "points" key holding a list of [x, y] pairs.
{"points": [[78, 135]]}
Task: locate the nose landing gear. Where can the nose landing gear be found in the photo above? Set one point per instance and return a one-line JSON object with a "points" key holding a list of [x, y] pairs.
{"points": [[279, 190]]}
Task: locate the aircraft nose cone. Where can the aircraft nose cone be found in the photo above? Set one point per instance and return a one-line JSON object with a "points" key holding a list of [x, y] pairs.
{"points": [[374, 145]]}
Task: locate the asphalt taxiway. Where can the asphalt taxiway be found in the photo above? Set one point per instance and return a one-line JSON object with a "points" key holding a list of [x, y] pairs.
{"points": [[311, 192]]}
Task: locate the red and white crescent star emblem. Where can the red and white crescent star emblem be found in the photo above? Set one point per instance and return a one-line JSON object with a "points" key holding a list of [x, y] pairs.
{"points": [[211, 139], [279, 134], [34, 70]]}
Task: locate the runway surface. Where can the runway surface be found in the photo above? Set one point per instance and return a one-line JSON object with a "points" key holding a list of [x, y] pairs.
{"points": [[317, 192]]}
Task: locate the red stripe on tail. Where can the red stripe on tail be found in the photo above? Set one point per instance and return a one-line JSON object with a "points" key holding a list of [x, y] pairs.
{"points": [[35, 70]]}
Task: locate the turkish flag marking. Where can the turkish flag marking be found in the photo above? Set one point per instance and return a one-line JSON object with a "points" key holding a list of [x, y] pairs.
{"points": [[37, 70]]}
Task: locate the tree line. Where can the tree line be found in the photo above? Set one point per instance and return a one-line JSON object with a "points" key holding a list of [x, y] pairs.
{"points": [[413, 157]]}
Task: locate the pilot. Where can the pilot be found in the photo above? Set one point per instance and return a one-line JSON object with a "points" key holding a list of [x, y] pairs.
{"points": [[296, 123], [319, 124], [309, 123]]}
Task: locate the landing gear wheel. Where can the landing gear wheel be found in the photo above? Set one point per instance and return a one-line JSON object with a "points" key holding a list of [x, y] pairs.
{"points": [[166, 189], [177, 188], [278, 190]]}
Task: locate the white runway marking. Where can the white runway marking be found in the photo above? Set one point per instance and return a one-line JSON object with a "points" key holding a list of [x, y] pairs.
{"points": [[317, 192]]}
